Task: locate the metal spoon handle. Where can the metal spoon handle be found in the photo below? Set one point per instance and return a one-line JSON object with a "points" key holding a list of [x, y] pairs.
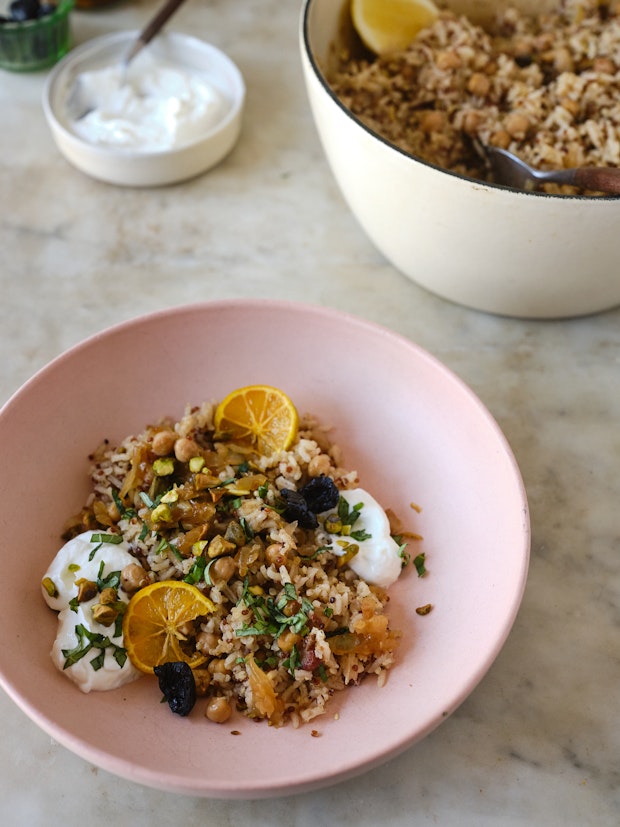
{"points": [[597, 179], [153, 27]]}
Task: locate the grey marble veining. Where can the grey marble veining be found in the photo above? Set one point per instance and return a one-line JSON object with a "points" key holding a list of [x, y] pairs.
{"points": [[538, 741]]}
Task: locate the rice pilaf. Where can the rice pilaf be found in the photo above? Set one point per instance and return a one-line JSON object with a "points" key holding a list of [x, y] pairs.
{"points": [[293, 624], [546, 88]]}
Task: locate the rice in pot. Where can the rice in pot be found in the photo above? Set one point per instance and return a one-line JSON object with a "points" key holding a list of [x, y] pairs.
{"points": [[546, 88]]}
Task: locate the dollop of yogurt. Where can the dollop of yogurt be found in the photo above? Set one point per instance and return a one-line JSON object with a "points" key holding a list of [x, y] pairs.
{"points": [[153, 107], [378, 559], [87, 557]]}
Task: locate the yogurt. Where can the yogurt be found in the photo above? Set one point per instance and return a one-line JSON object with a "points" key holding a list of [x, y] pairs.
{"points": [[86, 556], [151, 107], [378, 559]]}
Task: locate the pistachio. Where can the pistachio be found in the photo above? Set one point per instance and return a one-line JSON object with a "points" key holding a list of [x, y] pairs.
{"points": [[351, 549], [196, 464], [235, 533], [49, 586], [333, 524], [219, 546], [198, 547], [108, 595], [171, 496], [86, 589], [163, 467], [161, 514], [105, 614]]}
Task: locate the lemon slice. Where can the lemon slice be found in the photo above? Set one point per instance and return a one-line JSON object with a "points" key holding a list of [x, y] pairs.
{"points": [[155, 624], [390, 25], [259, 416]]}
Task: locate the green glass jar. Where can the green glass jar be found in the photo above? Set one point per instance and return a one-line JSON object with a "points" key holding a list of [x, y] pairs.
{"points": [[35, 44]]}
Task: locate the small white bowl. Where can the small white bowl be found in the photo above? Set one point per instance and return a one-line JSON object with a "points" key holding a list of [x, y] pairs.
{"points": [[144, 168], [524, 254]]}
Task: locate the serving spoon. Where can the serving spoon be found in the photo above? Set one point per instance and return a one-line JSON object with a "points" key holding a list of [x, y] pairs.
{"points": [[77, 104], [511, 171]]}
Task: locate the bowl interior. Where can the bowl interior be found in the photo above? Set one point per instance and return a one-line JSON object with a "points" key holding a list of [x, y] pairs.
{"points": [[411, 428]]}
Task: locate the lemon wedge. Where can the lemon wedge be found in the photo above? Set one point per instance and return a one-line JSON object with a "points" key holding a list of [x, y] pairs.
{"points": [[260, 416], [154, 625], [390, 25]]}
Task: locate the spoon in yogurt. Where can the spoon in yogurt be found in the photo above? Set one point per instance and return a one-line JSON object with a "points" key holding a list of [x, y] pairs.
{"points": [[78, 104], [511, 171]]}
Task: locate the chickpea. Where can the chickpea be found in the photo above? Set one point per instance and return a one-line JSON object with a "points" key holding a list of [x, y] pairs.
{"points": [[223, 569], [163, 443], [275, 555], [479, 84], [319, 465], [447, 60], [501, 138], [218, 710], [516, 124], [471, 121], [185, 449], [133, 578], [433, 121], [217, 666]]}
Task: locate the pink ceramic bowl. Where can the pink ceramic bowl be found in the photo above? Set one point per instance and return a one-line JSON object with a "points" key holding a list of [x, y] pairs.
{"points": [[411, 428]]}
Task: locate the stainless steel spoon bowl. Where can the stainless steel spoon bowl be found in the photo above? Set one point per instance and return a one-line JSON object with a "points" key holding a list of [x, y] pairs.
{"points": [[511, 171]]}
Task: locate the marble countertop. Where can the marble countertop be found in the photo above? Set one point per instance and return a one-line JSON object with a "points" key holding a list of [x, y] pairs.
{"points": [[538, 741]]}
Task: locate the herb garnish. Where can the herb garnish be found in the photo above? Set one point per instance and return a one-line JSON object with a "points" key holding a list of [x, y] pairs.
{"points": [[269, 617], [402, 550], [112, 581], [418, 562], [195, 574], [293, 661], [165, 545], [148, 502], [128, 513], [346, 518], [88, 640]]}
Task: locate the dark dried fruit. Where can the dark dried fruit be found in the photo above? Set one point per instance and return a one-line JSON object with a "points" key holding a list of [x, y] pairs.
{"points": [[320, 494], [176, 681], [297, 509], [22, 10]]}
